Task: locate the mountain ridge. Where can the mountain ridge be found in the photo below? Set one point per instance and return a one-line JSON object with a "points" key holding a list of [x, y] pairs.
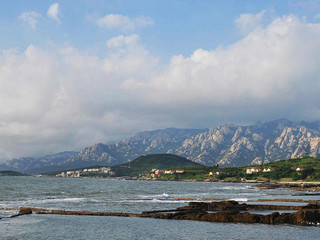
{"points": [[226, 145]]}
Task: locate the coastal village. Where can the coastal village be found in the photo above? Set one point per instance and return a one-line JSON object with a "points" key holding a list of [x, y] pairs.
{"points": [[86, 172], [108, 172], [267, 170], [155, 173], [158, 172]]}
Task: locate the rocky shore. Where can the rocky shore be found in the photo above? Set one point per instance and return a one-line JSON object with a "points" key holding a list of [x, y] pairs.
{"points": [[296, 186], [222, 211], [231, 211]]}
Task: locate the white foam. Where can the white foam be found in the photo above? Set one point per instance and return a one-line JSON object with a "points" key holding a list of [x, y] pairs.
{"points": [[239, 199], [156, 196], [54, 200], [151, 201], [235, 188]]}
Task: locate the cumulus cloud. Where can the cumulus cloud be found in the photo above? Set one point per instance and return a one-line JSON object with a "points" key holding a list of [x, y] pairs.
{"points": [[122, 40], [309, 4], [65, 99], [270, 72], [62, 99], [30, 18], [247, 22], [124, 23], [53, 12]]}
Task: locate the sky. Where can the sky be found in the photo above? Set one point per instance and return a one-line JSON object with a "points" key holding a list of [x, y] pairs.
{"points": [[78, 72]]}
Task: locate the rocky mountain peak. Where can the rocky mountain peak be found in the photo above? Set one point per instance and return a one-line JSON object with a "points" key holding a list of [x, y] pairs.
{"points": [[227, 145]]}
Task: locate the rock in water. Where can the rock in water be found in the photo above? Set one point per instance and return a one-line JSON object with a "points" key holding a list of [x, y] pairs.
{"points": [[24, 211]]}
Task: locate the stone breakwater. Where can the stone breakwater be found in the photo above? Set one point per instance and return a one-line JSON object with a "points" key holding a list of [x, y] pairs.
{"points": [[233, 212], [223, 211]]}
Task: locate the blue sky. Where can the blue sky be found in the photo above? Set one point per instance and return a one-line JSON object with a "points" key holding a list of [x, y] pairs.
{"points": [[179, 27], [73, 73]]}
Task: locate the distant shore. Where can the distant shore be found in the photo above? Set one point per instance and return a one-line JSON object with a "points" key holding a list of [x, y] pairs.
{"points": [[297, 186]]}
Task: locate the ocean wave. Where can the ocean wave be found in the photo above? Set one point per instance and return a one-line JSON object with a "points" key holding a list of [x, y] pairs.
{"points": [[48, 200], [239, 199], [156, 196], [235, 188], [151, 201]]}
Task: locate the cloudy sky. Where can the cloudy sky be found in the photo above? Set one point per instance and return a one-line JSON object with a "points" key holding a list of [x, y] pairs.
{"points": [[77, 72]]}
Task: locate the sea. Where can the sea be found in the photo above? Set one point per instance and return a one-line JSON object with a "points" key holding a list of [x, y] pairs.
{"points": [[110, 195]]}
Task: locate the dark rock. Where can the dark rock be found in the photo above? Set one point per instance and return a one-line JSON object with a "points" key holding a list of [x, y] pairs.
{"points": [[306, 217], [224, 211], [311, 206], [231, 211], [215, 206], [24, 211]]}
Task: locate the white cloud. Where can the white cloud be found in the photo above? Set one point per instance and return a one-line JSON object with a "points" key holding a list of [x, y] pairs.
{"points": [[66, 99], [248, 22], [30, 18], [271, 72], [308, 4], [53, 12], [124, 23], [122, 40]]}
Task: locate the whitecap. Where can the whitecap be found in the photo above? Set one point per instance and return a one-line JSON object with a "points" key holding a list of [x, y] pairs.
{"points": [[54, 200], [240, 199]]}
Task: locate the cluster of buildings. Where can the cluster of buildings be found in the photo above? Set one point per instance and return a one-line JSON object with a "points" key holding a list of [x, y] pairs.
{"points": [[266, 170], [256, 170], [297, 169], [85, 172], [158, 172], [215, 173]]}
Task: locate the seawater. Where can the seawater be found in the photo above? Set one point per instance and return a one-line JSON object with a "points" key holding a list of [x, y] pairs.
{"points": [[131, 196]]}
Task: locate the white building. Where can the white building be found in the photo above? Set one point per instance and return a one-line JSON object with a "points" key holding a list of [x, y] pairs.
{"points": [[252, 170]]}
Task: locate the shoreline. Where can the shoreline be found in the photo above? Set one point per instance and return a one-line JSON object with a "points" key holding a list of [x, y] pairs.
{"points": [[296, 186]]}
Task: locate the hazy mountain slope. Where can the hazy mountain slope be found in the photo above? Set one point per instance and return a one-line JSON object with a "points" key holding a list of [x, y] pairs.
{"points": [[38, 164], [149, 142]]}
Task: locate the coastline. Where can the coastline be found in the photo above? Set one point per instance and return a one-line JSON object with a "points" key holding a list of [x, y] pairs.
{"points": [[296, 186], [293, 185]]}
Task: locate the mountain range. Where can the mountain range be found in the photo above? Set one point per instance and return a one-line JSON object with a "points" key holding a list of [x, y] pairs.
{"points": [[226, 145]]}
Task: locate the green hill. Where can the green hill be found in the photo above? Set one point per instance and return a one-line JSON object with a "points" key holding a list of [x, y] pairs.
{"points": [[304, 162], [281, 170], [309, 170], [144, 164], [286, 169]]}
